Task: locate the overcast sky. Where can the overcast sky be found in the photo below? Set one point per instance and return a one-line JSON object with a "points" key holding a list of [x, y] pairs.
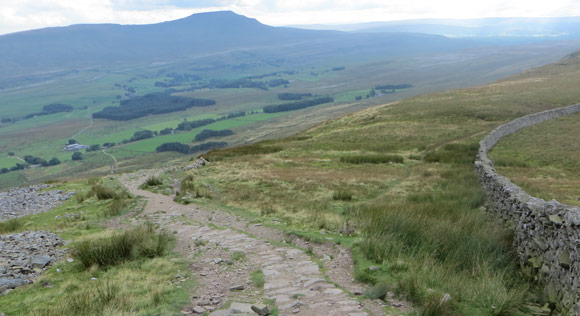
{"points": [[18, 15]]}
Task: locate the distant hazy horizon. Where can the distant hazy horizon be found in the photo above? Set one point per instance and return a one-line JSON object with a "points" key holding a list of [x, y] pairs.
{"points": [[33, 14]]}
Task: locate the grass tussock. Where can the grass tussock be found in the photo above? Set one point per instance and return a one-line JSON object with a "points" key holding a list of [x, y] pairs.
{"points": [[103, 192], [510, 162], [188, 191], [257, 278], [246, 150], [10, 226], [372, 159], [342, 195], [453, 153], [142, 242], [152, 181], [443, 230]]}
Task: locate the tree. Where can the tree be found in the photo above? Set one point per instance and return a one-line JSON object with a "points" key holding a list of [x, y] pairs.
{"points": [[72, 141], [4, 170], [11, 154], [54, 161], [94, 147], [77, 155]]}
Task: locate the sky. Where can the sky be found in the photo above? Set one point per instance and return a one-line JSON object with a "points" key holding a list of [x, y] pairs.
{"points": [[19, 15]]}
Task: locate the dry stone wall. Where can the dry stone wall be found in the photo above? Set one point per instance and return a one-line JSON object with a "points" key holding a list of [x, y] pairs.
{"points": [[547, 234]]}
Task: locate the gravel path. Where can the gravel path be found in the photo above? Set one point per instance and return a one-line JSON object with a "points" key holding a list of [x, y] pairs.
{"points": [[224, 251]]}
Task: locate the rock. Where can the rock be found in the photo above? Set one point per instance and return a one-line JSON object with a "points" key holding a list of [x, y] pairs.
{"points": [[25, 255], [198, 310], [237, 287], [239, 308], [10, 283], [446, 298], [261, 309], [374, 268], [39, 262], [25, 201]]}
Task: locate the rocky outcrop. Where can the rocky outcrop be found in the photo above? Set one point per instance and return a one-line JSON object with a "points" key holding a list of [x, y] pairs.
{"points": [[197, 164], [20, 202], [25, 256], [547, 234]]}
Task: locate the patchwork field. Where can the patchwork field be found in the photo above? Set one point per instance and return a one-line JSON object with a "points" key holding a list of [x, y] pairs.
{"points": [[342, 78]]}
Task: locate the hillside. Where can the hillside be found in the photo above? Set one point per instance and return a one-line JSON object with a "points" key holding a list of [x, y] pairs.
{"points": [[563, 27], [401, 177], [57, 49]]}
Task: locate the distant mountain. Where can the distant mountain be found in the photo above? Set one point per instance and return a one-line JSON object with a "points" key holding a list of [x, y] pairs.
{"points": [[98, 44], [83, 46], [564, 27]]}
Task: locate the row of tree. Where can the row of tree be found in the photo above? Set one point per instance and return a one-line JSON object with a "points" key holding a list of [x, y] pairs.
{"points": [[186, 149], [394, 86], [288, 96], [39, 161], [52, 108], [153, 103], [296, 105], [31, 160], [208, 133]]}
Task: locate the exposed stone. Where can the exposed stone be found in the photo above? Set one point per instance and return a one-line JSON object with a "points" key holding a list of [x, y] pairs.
{"points": [[198, 310], [237, 287], [446, 298], [24, 256], [261, 309], [39, 262], [25, 201], [197, 164]]}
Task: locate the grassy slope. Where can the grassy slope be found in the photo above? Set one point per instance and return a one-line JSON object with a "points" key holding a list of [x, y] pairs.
{"points": [[543, 159], [420, 220], [141, 287]]}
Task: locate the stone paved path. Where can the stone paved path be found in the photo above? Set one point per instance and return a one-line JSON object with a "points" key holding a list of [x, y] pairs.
{"points": [[223, 259]]}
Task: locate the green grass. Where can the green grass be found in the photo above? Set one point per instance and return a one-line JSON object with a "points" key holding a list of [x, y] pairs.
{"points": [[150, 280], [257, 278], [375, 159], [543, 159], [11, 225], [419, 220], [135, 244]]}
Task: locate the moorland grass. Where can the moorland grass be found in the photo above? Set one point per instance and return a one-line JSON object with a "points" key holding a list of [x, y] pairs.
{"points": [[152, 181], [141, 281], [543, 159], [376, 159], [10, 226], [141, 242], [420, 220]]}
